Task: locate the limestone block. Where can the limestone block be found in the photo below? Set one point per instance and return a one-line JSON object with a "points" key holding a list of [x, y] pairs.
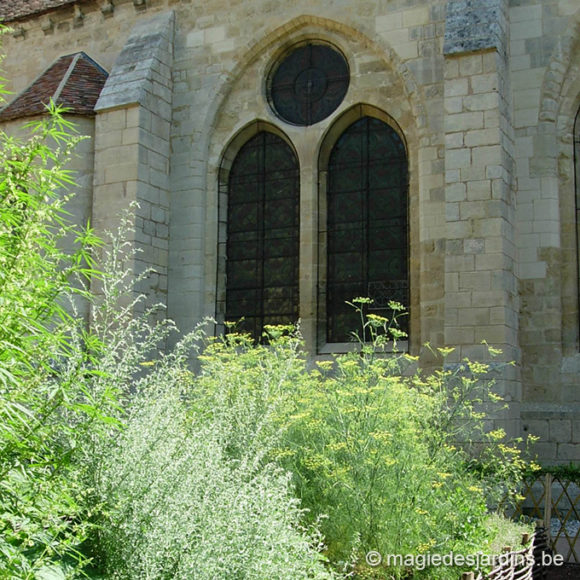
{"points": [[464, 121], [459, 263], [470, 64], [479, 137], [451, 285], [474, 281], [492, 262], [388, 22], [453, 176], [478, 190], [526, 29], [477, 210], [452, 212], [457, 158], [474, 246], [474, 317], [488, 298], [497, 334], [527, 98], [483, 83], [416, 16], [456, 192], [487, 155], [459, 335], [459, 229], [548, 452], [526, 13], [454, 140], [568, 452], [492, 119], [481, 101], [560, 430], [526, 117], [121, 172], [473, 173], [407, 50], [531, 270], [456, 87], [522, 62], [453, 104]]}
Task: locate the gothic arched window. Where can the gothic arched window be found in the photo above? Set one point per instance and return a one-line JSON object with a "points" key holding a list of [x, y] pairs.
{"points": [[367, 224], [262, 235]]}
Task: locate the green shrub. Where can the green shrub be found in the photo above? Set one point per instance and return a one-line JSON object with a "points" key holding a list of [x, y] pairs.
{"points": [[186, 489], [197, 485], [375, 448], [42, 497], [102, 453]]}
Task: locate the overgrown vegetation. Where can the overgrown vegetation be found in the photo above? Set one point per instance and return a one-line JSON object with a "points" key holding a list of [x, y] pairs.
{"points": [[569, 472], [42, 517], [103, 455], [188, 489], [119, 457], [385, 452]]}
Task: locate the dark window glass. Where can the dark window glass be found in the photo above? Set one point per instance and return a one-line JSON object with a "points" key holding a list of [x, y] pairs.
{"points": [[367, 225], [262, 235], [309, 84]]}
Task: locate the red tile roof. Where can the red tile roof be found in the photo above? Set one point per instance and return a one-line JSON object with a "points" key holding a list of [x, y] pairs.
{"points": [[14, 9], [74, 81]]}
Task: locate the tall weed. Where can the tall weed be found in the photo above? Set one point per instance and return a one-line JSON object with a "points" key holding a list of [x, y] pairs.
{"points": [[187, 490], [384, 453], [42, 523]]}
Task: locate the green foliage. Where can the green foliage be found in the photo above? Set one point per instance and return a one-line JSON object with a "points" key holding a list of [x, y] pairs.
{"points": [[197, 485], [569, 472], [107, 447], [112, 446], [375, 447], [186, 489], [41, 493]]}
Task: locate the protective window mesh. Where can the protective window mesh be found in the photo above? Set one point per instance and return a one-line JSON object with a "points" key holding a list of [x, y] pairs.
{"points": [[309, 84], [262, 235], [367, 225]]}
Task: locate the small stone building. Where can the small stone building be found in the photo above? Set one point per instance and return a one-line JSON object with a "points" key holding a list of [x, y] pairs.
{"points": [[288, 156]]}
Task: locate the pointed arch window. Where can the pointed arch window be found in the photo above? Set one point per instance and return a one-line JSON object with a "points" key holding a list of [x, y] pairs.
{"points": [[262, 244], [367, 224]]}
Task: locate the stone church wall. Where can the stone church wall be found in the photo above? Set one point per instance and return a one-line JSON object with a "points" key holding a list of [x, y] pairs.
{"points": [[484, 94]]}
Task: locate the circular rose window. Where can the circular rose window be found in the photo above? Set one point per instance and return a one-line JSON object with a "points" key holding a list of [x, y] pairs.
{"points": [[308, 83]]}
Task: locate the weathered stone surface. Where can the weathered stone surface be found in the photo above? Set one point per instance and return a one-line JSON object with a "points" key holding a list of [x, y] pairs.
{"points": [[132, 79], [492, 203], [474, 25]]}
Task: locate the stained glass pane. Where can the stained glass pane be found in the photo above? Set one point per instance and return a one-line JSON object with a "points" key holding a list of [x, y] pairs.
{"points": [[309, 84], [262, 235], [367, 224]]}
